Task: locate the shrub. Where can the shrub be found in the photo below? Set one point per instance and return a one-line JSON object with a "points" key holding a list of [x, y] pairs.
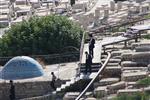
{"points": [[136, 96], [144, 82], [40, 35], [147, 36]]}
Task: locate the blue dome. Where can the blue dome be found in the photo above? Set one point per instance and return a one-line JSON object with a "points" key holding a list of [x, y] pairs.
{"points": [[21, 67]]}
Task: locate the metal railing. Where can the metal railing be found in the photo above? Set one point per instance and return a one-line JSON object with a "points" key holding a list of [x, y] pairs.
{"points": [[81, 52], [49, 59], [82, 46], [92, 81]]}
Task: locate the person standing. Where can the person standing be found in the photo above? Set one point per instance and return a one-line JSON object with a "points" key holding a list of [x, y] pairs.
{"points": [[53, 81], [56, 2], [88, 63], [12, 91], [91, 45]]}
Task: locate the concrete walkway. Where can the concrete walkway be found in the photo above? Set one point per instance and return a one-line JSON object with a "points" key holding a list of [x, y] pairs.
{"points": [[64, 71]]}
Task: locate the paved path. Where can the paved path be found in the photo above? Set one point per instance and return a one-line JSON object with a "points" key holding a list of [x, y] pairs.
{"points": [[97, 52]]}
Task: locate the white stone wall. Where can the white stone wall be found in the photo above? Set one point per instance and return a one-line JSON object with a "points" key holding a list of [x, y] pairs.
{"points": [[25, 89]]}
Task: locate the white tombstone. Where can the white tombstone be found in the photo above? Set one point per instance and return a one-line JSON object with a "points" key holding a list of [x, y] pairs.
{"points": [[96, 22], [97, 13], [130, 5], [106, 13], [119, 5], [91, 17], [139, 1], [145, 9], [86, 17], [85, 7], [137, 8], [83, 21], [21, 2], [112, 5]]}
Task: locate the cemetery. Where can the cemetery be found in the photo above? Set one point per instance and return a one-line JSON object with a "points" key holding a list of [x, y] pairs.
{"points": [[120, 57]]}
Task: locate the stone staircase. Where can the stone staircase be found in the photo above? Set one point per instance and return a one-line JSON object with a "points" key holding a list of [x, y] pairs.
{"points": [[130, 72], [113, 68], [111, 75], [116, 78], [119, 77], [67, 84], [94, 68]]}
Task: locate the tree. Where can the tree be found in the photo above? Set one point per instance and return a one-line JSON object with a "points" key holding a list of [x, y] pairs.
{"points": [[40, 35]]}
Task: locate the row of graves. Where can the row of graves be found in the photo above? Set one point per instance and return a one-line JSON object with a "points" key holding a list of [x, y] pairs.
{"points": [[112, 13], [15, 11]]}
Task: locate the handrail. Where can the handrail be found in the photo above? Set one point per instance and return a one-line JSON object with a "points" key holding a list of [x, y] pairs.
{"points": [[82, 46], [81, 51], [98, 73]]}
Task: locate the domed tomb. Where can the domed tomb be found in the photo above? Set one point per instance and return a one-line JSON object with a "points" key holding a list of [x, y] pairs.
{"points": [[21, 67]]}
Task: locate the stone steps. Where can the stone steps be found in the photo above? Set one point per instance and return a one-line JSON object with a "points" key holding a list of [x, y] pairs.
{"points": [[4, 3], [134, 76], [130, 85], [3, 17], [112, 64], [100, 91], [116, 57], [126, 56], [134, 45], [111, 97], [135, 68], [3, 6], [142, 49], [89, 98], [4, 12], [93, 68], [112, 60], [67, 84], [113, 88], [73, 95], [132, 64], [74, 80], [119, 52], [129, 91], [113, 71], [130, 71], [106, 81]]}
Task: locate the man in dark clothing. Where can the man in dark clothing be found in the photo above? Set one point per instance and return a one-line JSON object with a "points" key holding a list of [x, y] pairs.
{"points": [[56, 3], [91, 44], [12, 91], [53, 80], [88, 62]]}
